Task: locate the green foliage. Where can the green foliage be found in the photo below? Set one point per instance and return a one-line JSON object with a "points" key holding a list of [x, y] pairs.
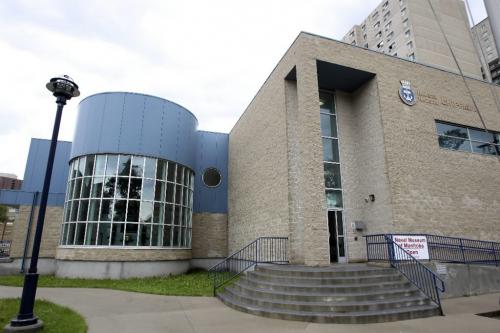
{"points": [[3, 213], [56, 318], [191, 284]]}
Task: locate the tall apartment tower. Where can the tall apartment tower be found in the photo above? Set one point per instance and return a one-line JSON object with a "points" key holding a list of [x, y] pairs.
{"points": [[485, 42], [411, 29]]}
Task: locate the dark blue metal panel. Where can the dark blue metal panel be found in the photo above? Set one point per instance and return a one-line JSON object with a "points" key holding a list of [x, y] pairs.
{"points": [[135, 124], [211, 152], [35, 172]]}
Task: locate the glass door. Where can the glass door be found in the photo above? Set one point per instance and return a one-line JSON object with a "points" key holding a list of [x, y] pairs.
{"points": [[337, 237]]}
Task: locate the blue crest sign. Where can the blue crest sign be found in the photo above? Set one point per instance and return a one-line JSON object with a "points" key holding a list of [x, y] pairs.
{"points": [[407, 94]]}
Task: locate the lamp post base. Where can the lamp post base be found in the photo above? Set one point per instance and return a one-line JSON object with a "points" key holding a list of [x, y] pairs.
{"points": [[36, 327]]}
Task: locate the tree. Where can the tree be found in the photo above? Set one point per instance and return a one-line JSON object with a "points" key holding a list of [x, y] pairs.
{"points": [[3, 218]]}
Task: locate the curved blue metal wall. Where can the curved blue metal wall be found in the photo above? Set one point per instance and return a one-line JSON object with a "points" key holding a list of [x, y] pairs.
{"points": [[130, 123]]}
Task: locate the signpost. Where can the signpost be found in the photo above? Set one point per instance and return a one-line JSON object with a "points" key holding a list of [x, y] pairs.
{"points": [[414, 245]]}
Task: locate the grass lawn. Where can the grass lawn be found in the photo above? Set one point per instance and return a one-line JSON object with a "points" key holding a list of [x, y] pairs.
{"points": [[56, 318], [190, 284]]}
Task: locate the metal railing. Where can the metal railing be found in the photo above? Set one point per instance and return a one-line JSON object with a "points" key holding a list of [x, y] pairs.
{"points": [[261, 250], [416, 272], [5, 249], [442, 248]]}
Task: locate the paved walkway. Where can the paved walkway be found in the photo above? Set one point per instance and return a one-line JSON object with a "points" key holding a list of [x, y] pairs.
{"points": [[117, 311]]}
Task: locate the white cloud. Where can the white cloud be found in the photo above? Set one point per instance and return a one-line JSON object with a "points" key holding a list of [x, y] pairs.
{"points": [[209, 56]]}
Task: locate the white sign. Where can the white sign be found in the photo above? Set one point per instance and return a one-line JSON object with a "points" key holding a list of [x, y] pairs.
{"points": [[414, 245]]}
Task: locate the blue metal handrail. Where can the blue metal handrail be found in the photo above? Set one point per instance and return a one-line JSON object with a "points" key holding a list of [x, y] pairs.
{"points": [[443, 248], [416, 272], [261, 250]]}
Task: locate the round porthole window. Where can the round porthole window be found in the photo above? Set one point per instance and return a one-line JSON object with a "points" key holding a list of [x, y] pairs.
{"points": [[211, 177]]}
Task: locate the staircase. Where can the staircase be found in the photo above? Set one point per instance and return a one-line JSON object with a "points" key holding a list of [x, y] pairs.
{"points": [[344, 294]]}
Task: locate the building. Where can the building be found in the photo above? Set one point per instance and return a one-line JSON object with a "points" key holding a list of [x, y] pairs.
{"points": [[9, 181], [485, 41], [411, 29], [339, 142]]}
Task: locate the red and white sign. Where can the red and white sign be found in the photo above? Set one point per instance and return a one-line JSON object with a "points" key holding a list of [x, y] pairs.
{"points": [[414, 245]]}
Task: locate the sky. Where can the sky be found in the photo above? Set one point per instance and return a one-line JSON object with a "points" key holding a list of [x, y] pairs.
{"points": [[208, 56]]}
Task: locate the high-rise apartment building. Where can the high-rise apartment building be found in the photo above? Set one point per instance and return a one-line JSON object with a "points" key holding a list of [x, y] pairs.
{"points": [[412, 29], [9, 181], [485, 42]]}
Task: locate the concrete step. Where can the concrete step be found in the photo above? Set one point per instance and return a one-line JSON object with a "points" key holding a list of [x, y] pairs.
{"points": [[314, 280], [331, 271], [359, 317], [320, 296]]}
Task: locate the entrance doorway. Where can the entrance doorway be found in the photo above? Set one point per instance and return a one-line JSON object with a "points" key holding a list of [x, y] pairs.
{"points": [[336, 230]]}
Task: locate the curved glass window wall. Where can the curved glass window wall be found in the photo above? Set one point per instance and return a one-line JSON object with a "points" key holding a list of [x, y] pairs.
{"points": [[127, 200]]}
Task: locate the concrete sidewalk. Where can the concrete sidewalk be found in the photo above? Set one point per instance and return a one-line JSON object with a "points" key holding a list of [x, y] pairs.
{"points": [[117, 311]]}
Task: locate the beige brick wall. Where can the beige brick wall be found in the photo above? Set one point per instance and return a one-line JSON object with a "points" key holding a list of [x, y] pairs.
{"points": [[209, 238], [50, 235], [107, 254]]}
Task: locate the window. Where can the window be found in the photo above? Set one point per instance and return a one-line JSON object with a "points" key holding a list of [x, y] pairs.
{"points": [[403, 12], [409, 45], [407, 34], [376, 25], [379, 34], [395, 55], [375, 15], [124, 200], [411, 56], [353, 42], [366, 45], [211, 177], [390, 35], [387, 15], [363, 27], [405, 23], [385, 5], [392, 46], [463, 138], [388, 26], [380, 45], [351, 34]]}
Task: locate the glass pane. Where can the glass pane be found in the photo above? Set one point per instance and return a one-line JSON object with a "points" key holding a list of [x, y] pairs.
{"points": [[176, 236], [177, 213], [341, 247], [97, 183], [328, 125], [67, 211], [122, 187], [332, 175], [78, 187], [137, 166], [86, 187], [158, 213], [135, 188], [120, 209], [171, 171], [109, 187], [117, 234], [326, 102], [89, 166], [161, 170], [451, 130], [71, 186], [178, 194], [483, 136], [100, 164], [71, 234], [94, 210], [82, 213], [103, 234], [106, 210], [169, 210], [74, 168], [192, 181], [131, 234], [160, 191], [180, 171], [145, 235], [455, 144], [333, 199], [330, 150], [167, 235], [146, 212], [150, 168], [183, 237], [90, 239], [64, 233], [185, 216], [124, 165], [133, 210], [340, 224], [111, 165], [81, 167], [80, 233], [170, 192], [148, 189], [157, 234], [74, 210], [185, 196], [483, 148]]}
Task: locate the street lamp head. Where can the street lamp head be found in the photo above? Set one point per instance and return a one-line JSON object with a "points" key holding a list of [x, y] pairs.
{"points": [[63, 86]]}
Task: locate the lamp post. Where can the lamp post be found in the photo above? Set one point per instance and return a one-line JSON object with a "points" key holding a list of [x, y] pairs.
{"points": [[63, 88]]}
